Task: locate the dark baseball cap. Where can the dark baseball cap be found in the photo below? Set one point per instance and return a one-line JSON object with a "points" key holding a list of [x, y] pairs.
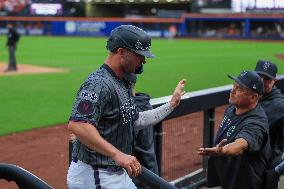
{"points": [[132, 38], [266, 68], [131, 77], [250, 80]]}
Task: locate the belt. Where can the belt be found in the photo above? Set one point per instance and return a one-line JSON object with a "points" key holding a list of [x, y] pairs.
{"points": [[111, 168]]}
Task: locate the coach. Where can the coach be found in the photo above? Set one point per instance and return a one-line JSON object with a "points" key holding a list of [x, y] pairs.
{"points": [[241, 152]]}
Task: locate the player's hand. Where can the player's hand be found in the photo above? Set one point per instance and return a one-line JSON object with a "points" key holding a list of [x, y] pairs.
{"points": [[179, 91], [130, 163], [214, 150], [72, 137]]}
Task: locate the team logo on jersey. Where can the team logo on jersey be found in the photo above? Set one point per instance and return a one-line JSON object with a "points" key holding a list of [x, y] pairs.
{"points": [[85, 107], [128, 111], [225, 122], [231, 130]]}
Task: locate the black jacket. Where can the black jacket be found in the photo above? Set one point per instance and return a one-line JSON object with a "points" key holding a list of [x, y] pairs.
{"points": [[245, 171], [144, 149], [144, 139], [12, 37], [273, 105]]}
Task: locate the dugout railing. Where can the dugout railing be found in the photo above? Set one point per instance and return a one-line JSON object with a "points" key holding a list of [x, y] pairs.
{"points": [[23, 178]]}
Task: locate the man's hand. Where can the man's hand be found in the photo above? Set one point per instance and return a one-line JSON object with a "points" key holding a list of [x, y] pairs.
{"points": [[214, 150], [130, 163], [179, 91], [72, 137]]}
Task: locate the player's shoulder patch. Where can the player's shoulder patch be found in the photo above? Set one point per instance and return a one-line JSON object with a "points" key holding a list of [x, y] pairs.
{"points": [[85, 107]]}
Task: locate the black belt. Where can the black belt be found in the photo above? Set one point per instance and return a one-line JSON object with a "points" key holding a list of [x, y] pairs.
{"points": [[112, 168]]}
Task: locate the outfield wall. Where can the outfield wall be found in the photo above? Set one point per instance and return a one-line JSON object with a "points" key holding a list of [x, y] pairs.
{"points": [[264, 26], [85, 26]]}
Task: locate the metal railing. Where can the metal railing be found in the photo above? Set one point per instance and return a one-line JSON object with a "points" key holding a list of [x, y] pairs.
{"points": [[23, 178]]}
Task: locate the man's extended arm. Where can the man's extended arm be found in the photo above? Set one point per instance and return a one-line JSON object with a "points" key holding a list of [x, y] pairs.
{"points": [[234, 148], [154, 116]]}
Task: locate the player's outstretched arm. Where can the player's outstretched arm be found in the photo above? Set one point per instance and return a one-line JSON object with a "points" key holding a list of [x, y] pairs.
{"points": [[89, 135], [154, 116], [177, 94]]}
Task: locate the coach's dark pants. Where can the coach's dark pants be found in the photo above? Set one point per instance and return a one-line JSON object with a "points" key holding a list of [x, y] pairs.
{"points": [[12, 59]]}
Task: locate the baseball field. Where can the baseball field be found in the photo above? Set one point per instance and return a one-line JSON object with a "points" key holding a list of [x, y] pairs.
{"points": [[45, 99]]}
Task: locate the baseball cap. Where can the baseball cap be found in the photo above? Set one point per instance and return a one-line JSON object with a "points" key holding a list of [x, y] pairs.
{"points": [[132, 38], [266, 68], [131, 77], [250, 80]]}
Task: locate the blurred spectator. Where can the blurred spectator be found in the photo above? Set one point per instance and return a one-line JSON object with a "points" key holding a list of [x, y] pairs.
{"points": [[232, 30], [271, 30], [279, 29], [14, 5], [259, 30], [172, 31], [209, 33], [38, 25]]}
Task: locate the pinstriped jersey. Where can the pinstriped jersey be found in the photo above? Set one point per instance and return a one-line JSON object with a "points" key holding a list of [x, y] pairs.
{"points": [[106, 102]]}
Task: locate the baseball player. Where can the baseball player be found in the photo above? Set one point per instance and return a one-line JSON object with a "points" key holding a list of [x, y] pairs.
{"points": [[104, 116], [241, 152]]}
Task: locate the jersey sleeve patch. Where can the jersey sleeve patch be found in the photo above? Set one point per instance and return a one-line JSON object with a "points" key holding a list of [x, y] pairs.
{"points": [[91, 99], [85, 107]]}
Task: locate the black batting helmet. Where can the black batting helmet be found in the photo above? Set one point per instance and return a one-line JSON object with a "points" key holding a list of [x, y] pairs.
{"points": [[132, 38]]}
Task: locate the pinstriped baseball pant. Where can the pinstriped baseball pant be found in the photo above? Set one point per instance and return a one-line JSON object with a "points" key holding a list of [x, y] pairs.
{"points": [[83, 176]]}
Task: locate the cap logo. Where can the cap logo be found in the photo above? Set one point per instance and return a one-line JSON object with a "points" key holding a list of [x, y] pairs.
{"points": [[243, 73], [139, 46], [137, 28], [254, 86], [266, 66]]}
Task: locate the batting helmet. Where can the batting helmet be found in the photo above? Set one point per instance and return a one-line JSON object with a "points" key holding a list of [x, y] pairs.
{"points": [[132, 38]]}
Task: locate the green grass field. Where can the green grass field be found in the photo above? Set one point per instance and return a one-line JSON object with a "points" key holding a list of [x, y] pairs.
{"points": [[41, 100]]}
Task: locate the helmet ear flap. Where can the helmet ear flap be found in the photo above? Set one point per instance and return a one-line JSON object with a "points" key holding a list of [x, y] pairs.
{"points": [[113, 43]]}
